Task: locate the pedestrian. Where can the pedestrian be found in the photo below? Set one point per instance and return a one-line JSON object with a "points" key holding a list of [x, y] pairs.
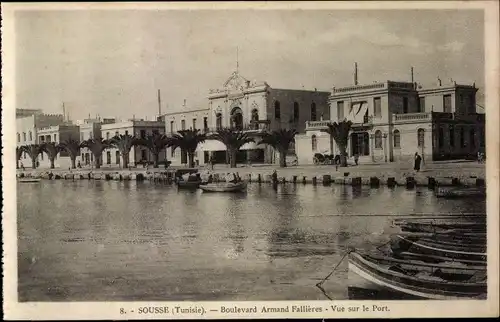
{"points": [[356, 158], [417, 161], [274, 177], [212, 161]]}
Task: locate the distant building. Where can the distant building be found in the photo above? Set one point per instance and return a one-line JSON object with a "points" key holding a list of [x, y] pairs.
{"points": [[137, 128], [57, 134], [23, 112], [394, 120], [249, 106], [89, 129]]}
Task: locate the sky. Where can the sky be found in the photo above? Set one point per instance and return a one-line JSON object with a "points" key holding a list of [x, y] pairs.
{"points": [[111, 63]]}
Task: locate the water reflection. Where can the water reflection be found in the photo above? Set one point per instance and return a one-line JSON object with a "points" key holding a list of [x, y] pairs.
{"points": [[107, 240]]}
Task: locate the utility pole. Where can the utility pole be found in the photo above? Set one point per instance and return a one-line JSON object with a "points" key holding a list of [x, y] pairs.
{"points": [[159, 103]]}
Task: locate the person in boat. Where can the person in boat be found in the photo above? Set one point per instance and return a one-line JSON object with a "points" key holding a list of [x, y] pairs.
{"points": [[417, 161]]}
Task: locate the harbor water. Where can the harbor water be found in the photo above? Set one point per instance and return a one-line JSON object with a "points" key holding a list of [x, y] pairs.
{"points": [[130, 241]]}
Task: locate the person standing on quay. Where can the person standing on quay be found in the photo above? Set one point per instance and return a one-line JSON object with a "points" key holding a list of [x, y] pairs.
{"points": [[418, 160]]}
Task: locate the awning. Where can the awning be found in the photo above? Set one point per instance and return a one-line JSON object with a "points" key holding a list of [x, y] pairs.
{"points": [[358, 111]]}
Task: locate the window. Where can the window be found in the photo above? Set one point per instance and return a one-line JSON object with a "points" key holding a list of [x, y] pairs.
{"points": [[377, 107], [107, 135], [194, 124], [451, 135], [405, 105], [447, 103], [462, 137], [48, 138], [18, 137], [277, 110], [421, 104], [420, 138], [108, 157], [117, 156], [31, 136], [314, 142], [126, 132], [378, 139], [360, 143], [55, 137], [441, 137], [472, 138], [340, 111], [172, 152], [91, 135], [313, 111], [296, 112], [397, 139], [218, 121], [255, 119], [183, 125], [144, 156], [42, 138], [171, 126], [24, 136], [205, 123]]}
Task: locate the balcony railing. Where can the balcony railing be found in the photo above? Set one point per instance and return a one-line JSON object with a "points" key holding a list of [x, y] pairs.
{"points": [[257, 127], [318, 125], [412, 117]]}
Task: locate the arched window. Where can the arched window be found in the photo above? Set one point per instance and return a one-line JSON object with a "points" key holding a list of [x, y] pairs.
{"points": [[296, 111], [462, 137], [30, 135], [24, 136], [378, 139], [255, 119], [277, 110], [237, 118], [314, 142], [313, 111], [451, 130], [397, 139], [218, 121], [420, 138], [18, 137], [472, 138], [183, 125]]}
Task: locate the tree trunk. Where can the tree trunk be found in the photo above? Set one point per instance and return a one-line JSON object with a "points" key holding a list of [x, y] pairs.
{"points": [[73, 161], [125, 160], [156, 156], [232, 158], [97, 160], [52, 166], [228, 157], [331, 145], [17, 164], [191, 159], [343, 156], [282, 153], [33, 163]]}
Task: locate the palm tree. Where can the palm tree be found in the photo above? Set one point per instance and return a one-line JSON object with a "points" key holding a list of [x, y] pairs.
{"points": [[233, 140], [19, 153], [72, 147], [33, 151], [52, 150], [96, 146], [155, 143], [280, 140], [340, 133], [124, 142], [187, 141]]}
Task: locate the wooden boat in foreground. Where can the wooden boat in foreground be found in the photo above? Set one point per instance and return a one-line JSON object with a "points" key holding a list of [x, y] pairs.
{"points": [[182, 184], [461, 193], [29, 180], [436, 248], [384, 278], [451, 228], [224, 187]]}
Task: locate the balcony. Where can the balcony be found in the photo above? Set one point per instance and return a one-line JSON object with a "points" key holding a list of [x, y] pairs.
{"points": [[254, 127], [412, 117], [323, 125]]}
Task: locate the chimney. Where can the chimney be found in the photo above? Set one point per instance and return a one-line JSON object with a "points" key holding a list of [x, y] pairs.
{"points": [[355, 73]]}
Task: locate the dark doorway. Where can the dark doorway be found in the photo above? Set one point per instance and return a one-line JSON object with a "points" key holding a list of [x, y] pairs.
{"points": [[360, 143]]}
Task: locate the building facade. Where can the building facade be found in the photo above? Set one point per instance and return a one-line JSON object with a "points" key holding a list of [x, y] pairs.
{"points": [[253, 107], [57, 134], [394, 120], [137, 128]]}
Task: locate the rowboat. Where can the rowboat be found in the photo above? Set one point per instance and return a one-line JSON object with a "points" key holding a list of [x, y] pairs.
{"points": [[432, 247], [435, 259], [188, 184], [29, 180], [385, 278], [461, 193], [436, 227], [224, 187]]}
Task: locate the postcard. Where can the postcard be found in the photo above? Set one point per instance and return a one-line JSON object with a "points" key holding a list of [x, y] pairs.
{"points": [[250, 160]]}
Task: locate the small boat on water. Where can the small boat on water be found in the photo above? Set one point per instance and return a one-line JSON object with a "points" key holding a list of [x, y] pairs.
{"points": [[224, 187], [435, 259], [442, 227], [29, 180], [461, 193], [181, 184], [476, 252], [374, 277]]}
